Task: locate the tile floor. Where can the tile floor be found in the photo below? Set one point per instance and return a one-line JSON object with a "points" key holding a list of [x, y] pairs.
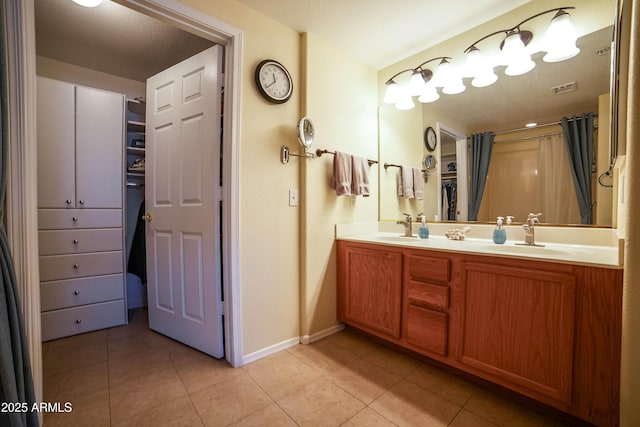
{"points": [[131, 376]]}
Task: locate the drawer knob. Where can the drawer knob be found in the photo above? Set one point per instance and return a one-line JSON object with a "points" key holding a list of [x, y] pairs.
{"points": [[81, 202], [76, 292], [75, 241], [78, 321], [75, 219], [68, 201], [76, 266]]}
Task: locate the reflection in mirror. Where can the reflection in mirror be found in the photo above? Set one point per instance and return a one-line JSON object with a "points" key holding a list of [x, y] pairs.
{"points": [[520, 155]]}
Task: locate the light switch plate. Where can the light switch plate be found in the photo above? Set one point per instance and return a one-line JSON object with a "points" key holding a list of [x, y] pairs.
{"points": [[293, 197]]}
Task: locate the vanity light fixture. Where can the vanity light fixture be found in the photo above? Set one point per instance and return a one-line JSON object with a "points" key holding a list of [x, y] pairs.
{"points": [[421, 84], [88, 3]]}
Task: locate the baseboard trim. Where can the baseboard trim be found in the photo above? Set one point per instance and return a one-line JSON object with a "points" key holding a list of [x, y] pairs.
{"points": [[308, 339], [268, 351]]}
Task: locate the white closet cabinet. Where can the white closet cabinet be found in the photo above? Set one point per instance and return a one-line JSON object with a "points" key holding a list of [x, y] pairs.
{"points": [[80, 201]]}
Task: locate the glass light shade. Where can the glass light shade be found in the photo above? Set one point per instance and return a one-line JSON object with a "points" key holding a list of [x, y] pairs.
{"points": [[478, 67], [88, 3], [392, 93], [454, 86], [416, 83], [405, 102], [429, 94], [515, 56], [560, 39], [441, 77]]}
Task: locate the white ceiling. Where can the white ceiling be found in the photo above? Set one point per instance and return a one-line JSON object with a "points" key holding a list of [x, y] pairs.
{"points": [[114, 39]]}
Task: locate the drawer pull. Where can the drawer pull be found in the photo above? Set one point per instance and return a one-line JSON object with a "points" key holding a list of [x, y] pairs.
{"points": [[75, 241], [76, 292], [75, 219], [81, 202], [78, 321], [76, 266], [68, 201]]}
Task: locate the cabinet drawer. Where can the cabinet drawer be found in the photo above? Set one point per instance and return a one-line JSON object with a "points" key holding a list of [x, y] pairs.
{"points": [[54, 219], [427, 329], [73, 292], [427, 294], [60, 242], [428, 269], [56, 267], [86, 318]]}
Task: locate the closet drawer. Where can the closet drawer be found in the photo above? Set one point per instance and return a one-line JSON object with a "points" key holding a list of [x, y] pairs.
{"points": [[86, 318], [60, 242], [55, 219], [57, 267], [69, 293]]}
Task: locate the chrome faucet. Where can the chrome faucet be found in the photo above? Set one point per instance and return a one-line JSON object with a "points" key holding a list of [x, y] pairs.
{"points": [[407, 225], [529, 230]]}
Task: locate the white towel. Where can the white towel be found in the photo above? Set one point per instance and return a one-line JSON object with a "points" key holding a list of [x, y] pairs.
{"points": [[418, 184], [407, 182], [342, 173], [360, 176]]}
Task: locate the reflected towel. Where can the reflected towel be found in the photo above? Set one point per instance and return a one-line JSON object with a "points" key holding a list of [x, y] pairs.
{"points": [[360, 176], [399, 181], [418, 184], [407, 182], [342, 173]]}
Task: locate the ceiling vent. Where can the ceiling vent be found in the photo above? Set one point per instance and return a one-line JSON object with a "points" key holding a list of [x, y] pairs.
{"points": [[564, 88]]}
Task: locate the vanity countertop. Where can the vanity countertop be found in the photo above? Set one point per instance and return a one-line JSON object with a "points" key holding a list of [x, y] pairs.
{"points": [[592, 255]]}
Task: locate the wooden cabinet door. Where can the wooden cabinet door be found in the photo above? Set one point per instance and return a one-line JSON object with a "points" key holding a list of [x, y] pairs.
{"points": [[56, 144], [369, 289], [99, 145], [518, 327]]}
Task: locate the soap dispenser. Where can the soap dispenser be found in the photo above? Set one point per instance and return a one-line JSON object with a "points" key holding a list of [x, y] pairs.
{"points": [[499, 234], [423, 231]]}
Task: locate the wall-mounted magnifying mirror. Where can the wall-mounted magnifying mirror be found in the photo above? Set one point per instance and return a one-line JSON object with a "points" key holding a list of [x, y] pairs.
{"points": [[306, 132]]}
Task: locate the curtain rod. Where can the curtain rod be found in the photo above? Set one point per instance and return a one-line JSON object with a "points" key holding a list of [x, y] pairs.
{"points": [[537, 126]]}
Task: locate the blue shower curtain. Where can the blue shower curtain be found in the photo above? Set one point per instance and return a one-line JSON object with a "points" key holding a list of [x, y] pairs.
{"points": [[481, 147], [15, 368], [578, 137]]}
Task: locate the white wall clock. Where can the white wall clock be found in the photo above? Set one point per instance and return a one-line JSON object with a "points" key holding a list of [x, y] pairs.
{"points": [[274, 81]]}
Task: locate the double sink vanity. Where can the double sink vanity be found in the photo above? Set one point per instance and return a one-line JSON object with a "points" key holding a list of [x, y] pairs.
{"points": [[543, 321]]}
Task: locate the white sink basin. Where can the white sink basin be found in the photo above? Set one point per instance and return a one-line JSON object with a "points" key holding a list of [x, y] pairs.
{"points": [[523, 250], [397, 239]]}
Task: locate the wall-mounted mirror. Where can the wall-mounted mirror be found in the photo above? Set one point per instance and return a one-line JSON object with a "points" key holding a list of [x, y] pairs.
{"points": [[544, 95]]}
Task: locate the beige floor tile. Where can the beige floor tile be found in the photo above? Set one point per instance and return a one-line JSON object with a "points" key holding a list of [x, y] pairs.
{"points": [[364, 379], [75, 342], [140, 364], [146, 340], [229, 401], [320, 403], [442, 383], [393, 361], [506, 413], [74, 386], [179, 413], [407, 404], [271, 416], [469, 419], [144, 393], [323, 355], [353, 342], [368, 418], [91, 411], [281, 374], [65, 358], [200, 371]]}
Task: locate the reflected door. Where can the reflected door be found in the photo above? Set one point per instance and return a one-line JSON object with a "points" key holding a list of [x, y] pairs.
{"points": [[182, 181]]}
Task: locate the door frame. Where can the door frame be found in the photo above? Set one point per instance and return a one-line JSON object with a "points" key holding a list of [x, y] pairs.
{"points": [[22, 210], [462, 173]]}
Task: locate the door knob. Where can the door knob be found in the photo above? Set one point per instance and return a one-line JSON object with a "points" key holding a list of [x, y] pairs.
{"points": [[147, 217]]}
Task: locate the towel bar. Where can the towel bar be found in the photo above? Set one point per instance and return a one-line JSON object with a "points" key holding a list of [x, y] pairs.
{"points": [[320, 152]]}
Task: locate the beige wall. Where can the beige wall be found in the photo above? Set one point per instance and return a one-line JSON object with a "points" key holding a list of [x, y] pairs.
{"points": [[341, 99]]}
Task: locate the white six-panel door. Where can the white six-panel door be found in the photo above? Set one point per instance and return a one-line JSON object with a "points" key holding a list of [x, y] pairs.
{"points": [[182, 182]]}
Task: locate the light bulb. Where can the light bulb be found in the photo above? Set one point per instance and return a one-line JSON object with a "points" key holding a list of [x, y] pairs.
{"points": [[429, 94], [515, 56], [392, 93], [416, 83], [478, 67]]}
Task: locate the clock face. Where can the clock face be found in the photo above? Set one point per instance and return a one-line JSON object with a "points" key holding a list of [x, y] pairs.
{"points": [[430, 139], [274, 81]]}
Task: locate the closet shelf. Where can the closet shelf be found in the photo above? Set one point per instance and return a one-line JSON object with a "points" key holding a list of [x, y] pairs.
{"points": [[136, 174], [135, 126], [135, 150]]}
